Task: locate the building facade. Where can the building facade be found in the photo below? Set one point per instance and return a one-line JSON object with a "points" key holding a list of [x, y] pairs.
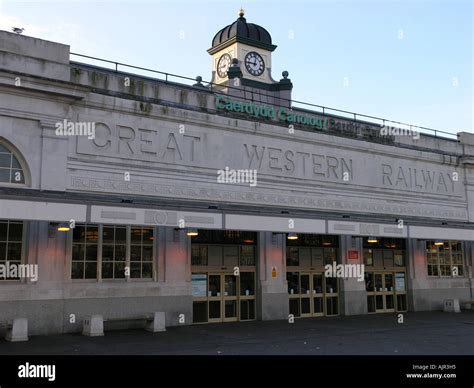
{"points": [[215, 202]]}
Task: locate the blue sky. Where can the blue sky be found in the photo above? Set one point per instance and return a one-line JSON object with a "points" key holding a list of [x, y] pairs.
{"points": [[409, 61]]}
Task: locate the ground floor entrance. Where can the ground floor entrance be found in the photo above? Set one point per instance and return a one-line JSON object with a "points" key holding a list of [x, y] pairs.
{"points": [[386, 291], [312, 294], [223, 266], [223, 297]]}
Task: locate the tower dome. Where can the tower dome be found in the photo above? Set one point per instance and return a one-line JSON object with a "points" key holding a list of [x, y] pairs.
{"points": [[243, 32]]}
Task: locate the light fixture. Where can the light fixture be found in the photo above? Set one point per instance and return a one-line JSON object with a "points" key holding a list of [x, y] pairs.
{"points": [[372, 240], [192, 232], [63, 228], [248, 241], [327, 242], [292, 236], [439, 243]]}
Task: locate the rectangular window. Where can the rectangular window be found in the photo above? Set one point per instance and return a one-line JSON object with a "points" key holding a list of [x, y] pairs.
{"points": [[141, 253], [292, 256], [444, 258], [11, 244], [368, 258], [114, 247], [247, 255], [116, 242], [198, 254], [85, 239]]}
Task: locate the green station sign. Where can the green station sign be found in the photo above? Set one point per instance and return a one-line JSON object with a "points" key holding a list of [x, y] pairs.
{"points": [[269, 112]]}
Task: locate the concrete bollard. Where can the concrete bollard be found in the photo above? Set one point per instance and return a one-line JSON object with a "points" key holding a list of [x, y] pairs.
{"points": [[158, 323], [93, 326], [19, 330], [451, 306]]}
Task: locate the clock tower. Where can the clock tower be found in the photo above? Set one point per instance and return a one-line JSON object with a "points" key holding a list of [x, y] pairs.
{"points": [[242, 61]]}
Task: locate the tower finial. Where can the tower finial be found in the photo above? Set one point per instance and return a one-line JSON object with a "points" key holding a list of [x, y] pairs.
{"points": [[241, 12]]}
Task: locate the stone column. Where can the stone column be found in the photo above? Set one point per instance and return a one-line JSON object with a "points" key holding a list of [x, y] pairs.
{"points": [[353, 294], [272, 290], [174, 275]]}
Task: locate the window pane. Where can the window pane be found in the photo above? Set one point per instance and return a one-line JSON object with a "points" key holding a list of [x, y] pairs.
{"points": [[119, 270], [295, 307], [91, 252], [147, 270], [136, 236], [92, 234], [332, 307], [77, 270], [247, 283], [369, 281], [3, 231], [147, 253], [199, 312], [148, 236], [388, 258], [305, 257], [317, 257], [293, 282], [371, 304], [15, 163], [107, 253], [304, 279], [108, 235], [120, 235], [331, 285], [247, 310], [120, 251], [329, 255], [135, 253], [4, 175], [368, 259], [91, 270], [399, 259], [14, 252], [135, 270], [5, 160], [214, 285], [107, 270], [318, 284], [3, 251], [292, 256], [79, 234], [78, 252], [15, 231], [231, 256]]}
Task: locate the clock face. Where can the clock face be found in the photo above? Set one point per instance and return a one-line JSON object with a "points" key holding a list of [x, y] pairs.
{"points": [[254, 63], [223, 65]]}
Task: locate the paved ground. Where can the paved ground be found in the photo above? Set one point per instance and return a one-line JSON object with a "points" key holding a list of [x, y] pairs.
{"points": [[424, 333]]}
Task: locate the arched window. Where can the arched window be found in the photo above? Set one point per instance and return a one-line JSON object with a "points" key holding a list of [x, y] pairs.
{"points": [[11, 170]]}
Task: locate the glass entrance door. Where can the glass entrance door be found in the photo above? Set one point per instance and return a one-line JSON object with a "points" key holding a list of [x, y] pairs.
{"points": [[385, 291], [312, 295], [229, 300], [223, 297]]}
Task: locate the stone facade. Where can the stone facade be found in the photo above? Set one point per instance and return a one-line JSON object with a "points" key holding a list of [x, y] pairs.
{"points": [[171, 139]]}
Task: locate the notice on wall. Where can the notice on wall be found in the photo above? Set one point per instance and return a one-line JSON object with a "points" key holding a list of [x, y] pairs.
{"points": [[400, 281], [199, 284]]}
